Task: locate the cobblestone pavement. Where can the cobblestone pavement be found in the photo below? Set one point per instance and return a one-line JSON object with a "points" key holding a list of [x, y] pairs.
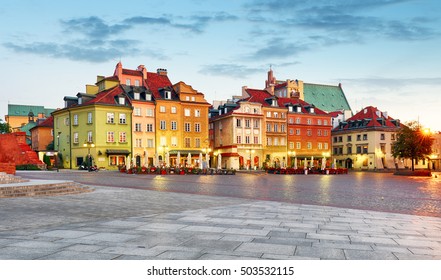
{"points": [[125, 223]]}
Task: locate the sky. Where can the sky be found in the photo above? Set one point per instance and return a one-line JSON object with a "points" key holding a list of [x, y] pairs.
{"points": [[385, 53]]}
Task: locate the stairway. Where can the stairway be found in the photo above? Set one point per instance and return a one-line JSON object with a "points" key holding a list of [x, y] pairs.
{"points": [[9, 179], [47, 188]]}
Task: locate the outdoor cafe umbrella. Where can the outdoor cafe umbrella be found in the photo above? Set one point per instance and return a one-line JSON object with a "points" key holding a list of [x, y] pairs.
{"points": [[178, 158], [219, 161], [189, 159], [167, 159], [323, 163], [200, 160], [295, 163], [146, 157], [207, 159], [312, 161], [156, 163]]}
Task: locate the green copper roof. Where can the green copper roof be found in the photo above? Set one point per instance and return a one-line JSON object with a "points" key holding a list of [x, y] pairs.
{"points": [[23, 110], [328, 98]]}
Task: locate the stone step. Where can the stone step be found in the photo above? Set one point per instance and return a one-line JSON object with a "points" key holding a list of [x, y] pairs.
{"points": [[54, 189], [9, 179]]}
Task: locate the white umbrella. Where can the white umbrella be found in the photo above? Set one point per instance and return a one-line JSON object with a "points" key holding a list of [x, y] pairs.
{"points": [[323, 163], [156, 163], [295, 163], [219, 161], [312, 161], [207, 159], [335, 163], [167, 159], [146, 158], [200, 160], [129, 165], [189, 160], [178, 159]]}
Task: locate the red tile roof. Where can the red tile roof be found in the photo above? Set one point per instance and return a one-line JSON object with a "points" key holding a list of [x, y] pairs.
{"points": [[156, 81], [49, 122], [106, 96], [369, 117], [132, 72]]}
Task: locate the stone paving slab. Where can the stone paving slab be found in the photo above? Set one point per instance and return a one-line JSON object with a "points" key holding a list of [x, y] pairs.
{"points": [[202, 227]]}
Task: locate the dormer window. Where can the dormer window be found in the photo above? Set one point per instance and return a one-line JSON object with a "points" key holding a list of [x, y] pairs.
{"points": [[299, 109], [121, 100], [136, 95], [290, 109], [80, 100], [225, 110], [148, 97], [167, 94], [274, 103], [311, 110]]}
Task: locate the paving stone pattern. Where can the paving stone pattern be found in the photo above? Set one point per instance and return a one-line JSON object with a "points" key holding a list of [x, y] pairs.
{"points": [[130, 224]]}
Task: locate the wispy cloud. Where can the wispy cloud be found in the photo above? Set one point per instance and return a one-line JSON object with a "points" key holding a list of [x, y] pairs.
{"points": [[230, 70]]}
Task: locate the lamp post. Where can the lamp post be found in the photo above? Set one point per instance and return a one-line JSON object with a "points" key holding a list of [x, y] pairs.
{"points": [[250, 151], [89, 157], [163, 148], [58, 150]]}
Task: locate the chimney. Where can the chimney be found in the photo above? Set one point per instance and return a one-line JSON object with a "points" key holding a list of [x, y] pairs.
{"points": [[162, 71], [143, 70]]}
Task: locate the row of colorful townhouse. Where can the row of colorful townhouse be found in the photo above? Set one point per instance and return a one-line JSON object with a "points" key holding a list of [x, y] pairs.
{"points": [[140, 118]]}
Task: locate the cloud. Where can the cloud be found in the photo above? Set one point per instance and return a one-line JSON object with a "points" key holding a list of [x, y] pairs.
{"points": [[279, 48], [229, 70], [92, 27]]}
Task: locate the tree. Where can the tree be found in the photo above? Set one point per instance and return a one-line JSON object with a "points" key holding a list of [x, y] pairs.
{"points": [[412, 142], [4, 127]]}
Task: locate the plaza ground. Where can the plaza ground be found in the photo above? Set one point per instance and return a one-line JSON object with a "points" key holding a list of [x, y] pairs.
{"points": [[135, 217]]}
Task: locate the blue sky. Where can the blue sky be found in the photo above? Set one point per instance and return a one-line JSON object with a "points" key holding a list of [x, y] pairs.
{"points": [[386, 53]]}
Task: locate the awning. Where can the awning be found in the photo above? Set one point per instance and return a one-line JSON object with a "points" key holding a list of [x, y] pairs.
{"points": [[117, 152], [185, 152], [230, 154]]}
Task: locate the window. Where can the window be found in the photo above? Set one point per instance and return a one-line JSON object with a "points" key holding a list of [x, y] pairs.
{"points": [[137, 111], [187, 112], [325, 133], [187, 127], [319, 122], [282, 128], [268, 127], [340, 138], [89, 137], [75, 138], [138, 142], [309, 145], [136, 95], [382, 136], [256, 139], [298, 145], [122, 137], [122, 118], [365, 137], [193, 98], [350, 150], [309, 121], [309, 132], [297, 131], [247, 123], [238, 123], [173, 110], [162, 109], [291, 145], [137, 83], [247, 140], [197, 127], [163, 141], [162, 125], [110, 137], [149, 112], [268, 141], [256, 123], [282, 141], [174, 125], [291, 120], [137, 127], [320, 146], [276, 115], [174, 141], [110, 117], [276, 141], [197, 113], [276, 127], [149, 143], [187, 142], [358, 137], [268, 114], [121, 100], [149, 127], [298, 120], [291, 131], [358, 149], [148, 97], [365, 149], [128, 82], [239, 139], [197, 142], [319, 132], [349, 138], [75, 118], [325, 122], [325, 145]]}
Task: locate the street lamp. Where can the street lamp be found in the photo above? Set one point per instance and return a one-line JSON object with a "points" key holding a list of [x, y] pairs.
{"points": [[89, 157], [250, 151], [58, 150]]}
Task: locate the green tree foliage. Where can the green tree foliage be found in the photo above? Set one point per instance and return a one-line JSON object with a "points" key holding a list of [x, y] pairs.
{"points": [[413, 142], [4, 127]]}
